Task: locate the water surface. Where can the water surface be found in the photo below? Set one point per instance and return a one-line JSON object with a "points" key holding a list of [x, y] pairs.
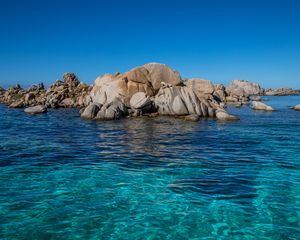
{"points": [[62, 177]]}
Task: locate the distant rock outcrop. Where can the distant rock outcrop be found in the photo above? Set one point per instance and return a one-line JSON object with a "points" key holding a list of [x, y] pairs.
{"points": [[282, 92], [68, 93], [244, 88]]}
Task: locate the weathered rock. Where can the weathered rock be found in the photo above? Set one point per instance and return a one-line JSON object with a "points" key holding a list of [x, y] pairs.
{"points": [[192, 118], [261, 106], [91, 111], [297, 107], [162, 74], [140, 101], [29, 96], [36, 109], [200, 86], [222, 115], [17, 104], [108, 88], [232, 99], [67, 103], [177, 101], [220, 92], [112, 111], [282, 92], [71, 80], [148, 79], [244, 88]]}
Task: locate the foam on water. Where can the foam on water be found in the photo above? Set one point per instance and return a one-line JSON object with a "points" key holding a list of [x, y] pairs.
{"points": [[62, 177]]}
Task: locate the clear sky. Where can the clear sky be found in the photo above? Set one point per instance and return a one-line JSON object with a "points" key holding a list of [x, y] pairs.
{"points": [[220, 40]]}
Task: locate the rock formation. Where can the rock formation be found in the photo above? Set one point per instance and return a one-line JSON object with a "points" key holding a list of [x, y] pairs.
{"points": [[241, 90], [67, 93], [151, 88], [282, 92], [244, 88], [261, 106]]}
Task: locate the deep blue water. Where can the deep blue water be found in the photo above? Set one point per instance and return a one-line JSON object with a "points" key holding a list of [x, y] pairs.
{"points": [[62, 177]]}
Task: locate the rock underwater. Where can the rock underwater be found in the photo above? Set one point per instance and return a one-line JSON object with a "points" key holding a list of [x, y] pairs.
{"points": [[297, 107]]}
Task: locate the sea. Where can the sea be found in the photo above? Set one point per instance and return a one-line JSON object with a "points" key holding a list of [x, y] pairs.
{"points": [[62, 177]]}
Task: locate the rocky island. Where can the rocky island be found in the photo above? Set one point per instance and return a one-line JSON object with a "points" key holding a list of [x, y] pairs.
{"points": [[152, 89]]}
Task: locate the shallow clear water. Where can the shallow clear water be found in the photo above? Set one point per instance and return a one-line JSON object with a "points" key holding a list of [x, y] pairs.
{"points": [[65, 178]]}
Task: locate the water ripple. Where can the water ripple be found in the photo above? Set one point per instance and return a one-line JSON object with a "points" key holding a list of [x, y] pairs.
{"points": [[161, 178]]}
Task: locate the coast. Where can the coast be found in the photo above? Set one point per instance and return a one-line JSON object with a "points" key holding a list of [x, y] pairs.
{"points": [[152, 89]]}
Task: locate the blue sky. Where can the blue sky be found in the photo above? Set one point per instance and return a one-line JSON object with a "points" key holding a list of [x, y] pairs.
{"points": [[220, 40]]}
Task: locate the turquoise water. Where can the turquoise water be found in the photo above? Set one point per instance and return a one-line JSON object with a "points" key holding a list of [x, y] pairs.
{"points": [[65, 178]]}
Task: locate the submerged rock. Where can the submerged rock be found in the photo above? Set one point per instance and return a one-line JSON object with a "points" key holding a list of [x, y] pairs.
{"points": [[261, 106], [222, 115], [192, 118], [36, 109], [297, 107]]}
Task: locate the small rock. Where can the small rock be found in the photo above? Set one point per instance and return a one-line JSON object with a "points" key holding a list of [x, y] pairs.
{"points": [[36, 109], [224, 116], [261, 106], [192, 118], [297, 107], [140, 101]]}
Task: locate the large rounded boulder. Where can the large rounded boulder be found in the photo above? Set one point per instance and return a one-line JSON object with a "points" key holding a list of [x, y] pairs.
{"points": [[161, 74], [148, 79]]}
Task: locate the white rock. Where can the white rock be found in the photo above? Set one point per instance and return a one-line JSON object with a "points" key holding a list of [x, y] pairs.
{"points": [[36, 109], [261, 106], [177, 100], [222, 115], [297, 107], [140, 101]]}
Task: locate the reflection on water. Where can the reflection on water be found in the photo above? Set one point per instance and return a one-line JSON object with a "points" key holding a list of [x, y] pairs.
{"points": [[150, 178]]}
